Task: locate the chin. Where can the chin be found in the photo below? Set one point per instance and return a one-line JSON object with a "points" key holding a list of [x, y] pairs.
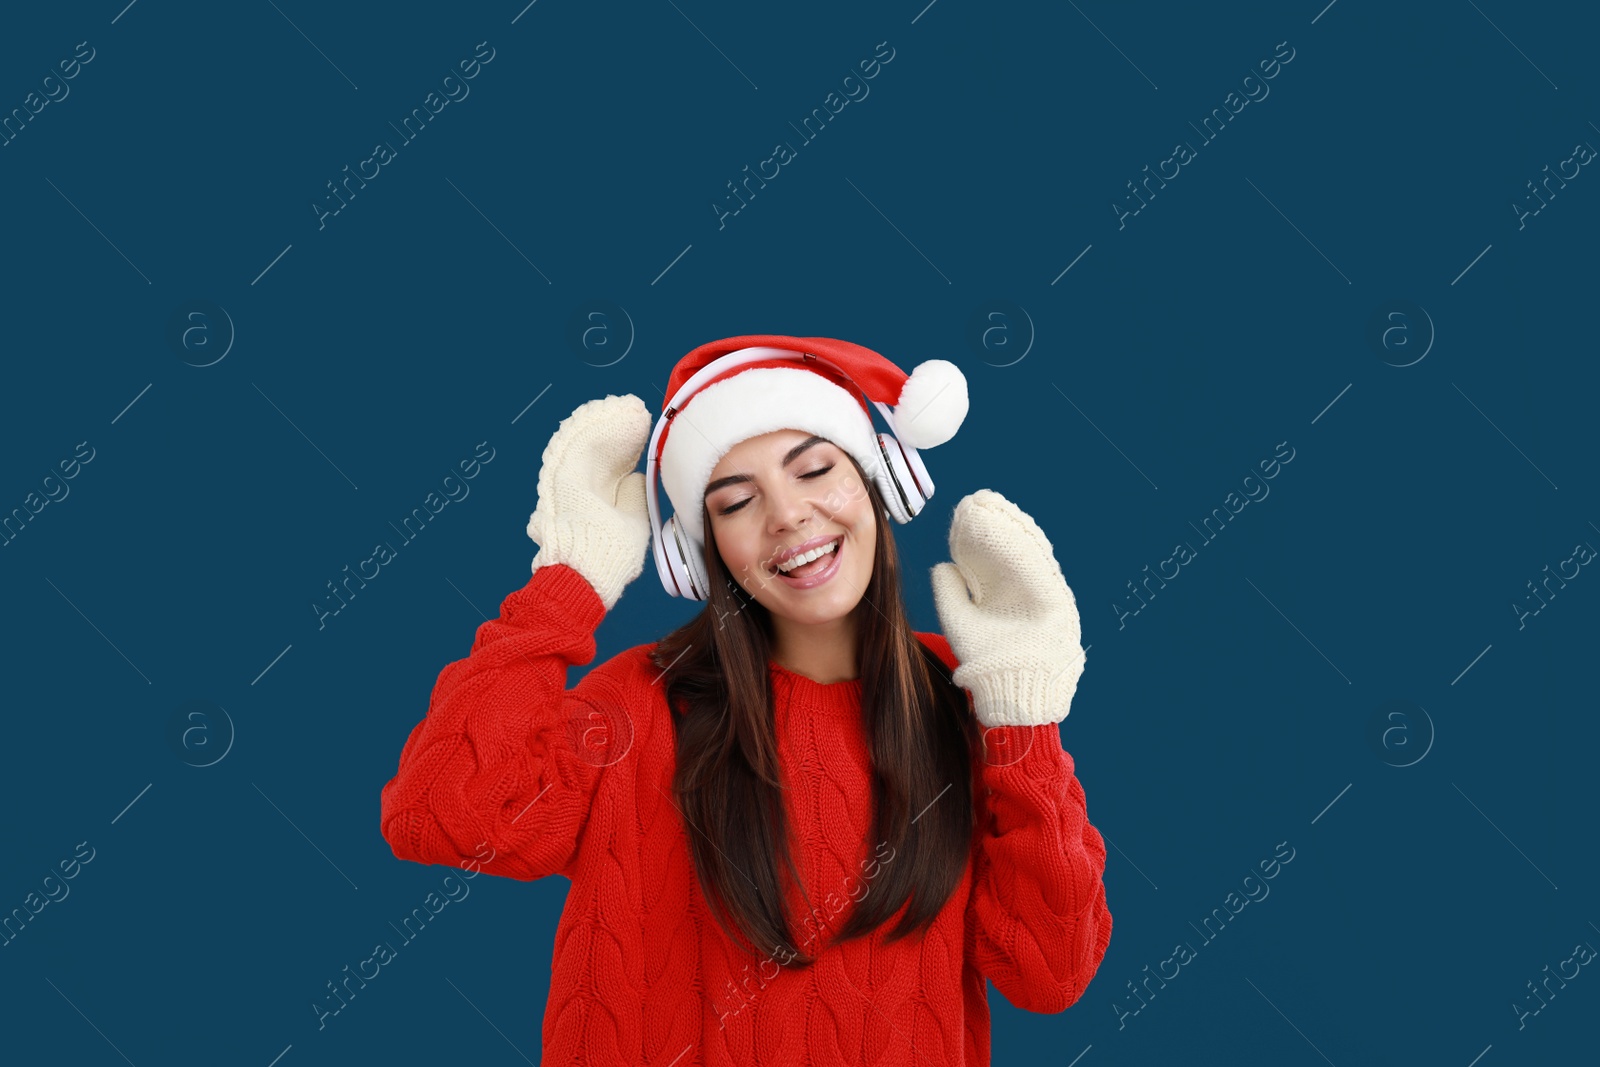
{"points": [[819, 614], [810, 609]]}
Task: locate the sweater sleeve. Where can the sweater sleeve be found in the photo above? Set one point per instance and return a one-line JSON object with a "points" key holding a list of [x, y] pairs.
{"points": [[503, 769], [1037, 921]]}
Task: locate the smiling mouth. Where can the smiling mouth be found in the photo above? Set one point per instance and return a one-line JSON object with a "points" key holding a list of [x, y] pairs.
{"points": [[821, 559]]}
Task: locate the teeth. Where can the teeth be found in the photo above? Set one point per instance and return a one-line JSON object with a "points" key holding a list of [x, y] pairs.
{"points": [[806, 557]]}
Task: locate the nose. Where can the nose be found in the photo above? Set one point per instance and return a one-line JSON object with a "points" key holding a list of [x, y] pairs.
{"points": [[792, 506]]}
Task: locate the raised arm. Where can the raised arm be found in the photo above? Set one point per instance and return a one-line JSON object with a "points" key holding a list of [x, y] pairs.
{"points": [[1037, 917], [503, 769], [1038, 925]]}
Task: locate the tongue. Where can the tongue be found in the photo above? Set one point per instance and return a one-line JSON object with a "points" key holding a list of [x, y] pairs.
{"points": [[805, 570]]}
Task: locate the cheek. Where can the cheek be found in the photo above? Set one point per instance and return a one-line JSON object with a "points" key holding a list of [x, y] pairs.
{"points": [[737, 551], [725, 550], [866, 544]]}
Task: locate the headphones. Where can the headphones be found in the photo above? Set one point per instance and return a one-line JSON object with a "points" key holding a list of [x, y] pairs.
{"points": [[901, 476]]}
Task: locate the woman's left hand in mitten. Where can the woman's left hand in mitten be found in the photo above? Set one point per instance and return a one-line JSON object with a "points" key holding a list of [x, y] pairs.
{"points": [[1008, 614]]}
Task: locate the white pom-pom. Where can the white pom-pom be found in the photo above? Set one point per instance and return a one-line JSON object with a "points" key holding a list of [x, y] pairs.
{"points": [[933, 403]]}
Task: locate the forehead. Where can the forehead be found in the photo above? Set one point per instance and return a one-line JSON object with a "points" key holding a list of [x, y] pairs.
{"points": [[763, 450]]}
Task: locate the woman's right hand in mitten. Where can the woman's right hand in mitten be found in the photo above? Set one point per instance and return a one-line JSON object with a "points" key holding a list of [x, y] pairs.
{"points": [[591, 514]]}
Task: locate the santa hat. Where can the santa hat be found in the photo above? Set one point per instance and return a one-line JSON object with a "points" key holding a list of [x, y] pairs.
{"points": [[783, 392]]}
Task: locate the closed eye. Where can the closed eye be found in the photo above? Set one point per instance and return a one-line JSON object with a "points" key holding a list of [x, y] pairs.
{"points": [[813, 474]]}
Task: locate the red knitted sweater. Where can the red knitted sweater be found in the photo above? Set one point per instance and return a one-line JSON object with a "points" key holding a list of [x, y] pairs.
{"points": [[511, 765]]}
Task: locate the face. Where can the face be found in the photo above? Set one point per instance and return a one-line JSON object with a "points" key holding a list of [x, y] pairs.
{"points": [[783, 490]]}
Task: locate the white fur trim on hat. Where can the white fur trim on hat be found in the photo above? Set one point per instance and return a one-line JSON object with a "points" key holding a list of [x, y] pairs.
{"points": [[747, 405], [933, 403]]}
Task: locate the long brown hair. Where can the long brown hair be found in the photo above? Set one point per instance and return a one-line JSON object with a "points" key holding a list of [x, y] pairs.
{"points": [[921, 737]]}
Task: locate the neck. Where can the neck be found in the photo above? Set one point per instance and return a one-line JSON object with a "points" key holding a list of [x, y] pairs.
{"points": [[824, 652]]}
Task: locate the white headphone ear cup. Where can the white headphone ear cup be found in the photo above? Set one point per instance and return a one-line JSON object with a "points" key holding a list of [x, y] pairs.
{"points": [[666, 543], [900, 488], [685, 576], [696, 566]]}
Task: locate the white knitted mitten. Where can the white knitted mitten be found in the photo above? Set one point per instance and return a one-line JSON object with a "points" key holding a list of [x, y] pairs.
{"points": [[1017, 637], [591, 513]]}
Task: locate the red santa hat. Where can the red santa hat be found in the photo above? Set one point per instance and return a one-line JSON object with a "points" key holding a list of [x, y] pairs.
{"points": [[782, 390]]}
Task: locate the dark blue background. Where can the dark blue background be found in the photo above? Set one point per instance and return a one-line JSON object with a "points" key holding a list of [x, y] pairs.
{"points": [[1234, 712]]}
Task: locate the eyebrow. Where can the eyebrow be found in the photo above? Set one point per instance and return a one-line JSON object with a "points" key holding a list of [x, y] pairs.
{"points": [[788, 458]]}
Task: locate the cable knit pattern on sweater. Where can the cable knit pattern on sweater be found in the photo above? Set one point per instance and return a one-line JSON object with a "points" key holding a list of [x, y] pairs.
{"points": [[578, 783]]}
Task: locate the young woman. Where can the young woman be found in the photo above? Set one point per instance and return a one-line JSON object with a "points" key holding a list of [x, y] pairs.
{"points": [[797, 830]]}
